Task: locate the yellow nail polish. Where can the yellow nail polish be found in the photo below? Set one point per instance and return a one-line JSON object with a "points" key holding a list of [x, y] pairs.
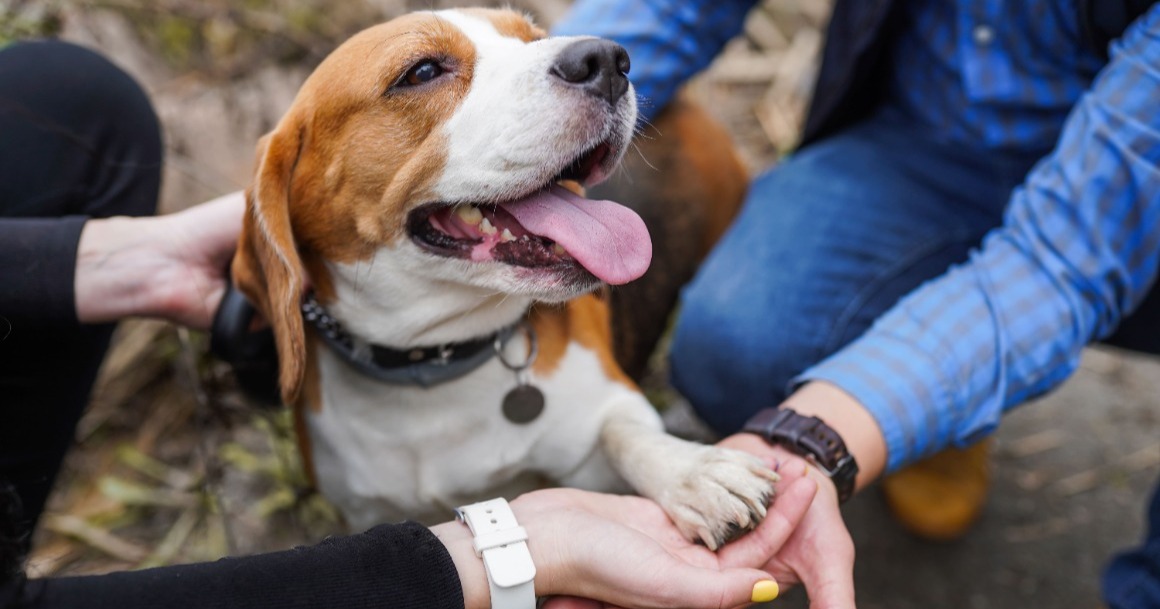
{"points": [[764, 591]]}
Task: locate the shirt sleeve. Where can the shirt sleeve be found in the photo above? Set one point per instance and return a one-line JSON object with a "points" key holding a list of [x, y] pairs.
{"points": [[1077, 251], [668, 41], [37, 269], [401, 566]]}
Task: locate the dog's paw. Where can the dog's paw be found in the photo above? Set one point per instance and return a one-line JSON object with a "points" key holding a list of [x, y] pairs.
{"points": [[719, 494]]}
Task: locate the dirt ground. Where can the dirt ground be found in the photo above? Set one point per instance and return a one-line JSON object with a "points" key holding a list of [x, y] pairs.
{"points": [[172, 465], [1073, 473]]}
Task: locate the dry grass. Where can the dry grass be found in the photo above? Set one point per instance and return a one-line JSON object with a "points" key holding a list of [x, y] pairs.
{"points": [[171, 465]]}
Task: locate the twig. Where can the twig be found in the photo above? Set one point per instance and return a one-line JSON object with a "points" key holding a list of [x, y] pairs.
{"points": [[212, 473], [95, 537], [1143, 459]]}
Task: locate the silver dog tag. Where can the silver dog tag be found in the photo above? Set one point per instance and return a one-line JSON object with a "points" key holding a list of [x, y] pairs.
{"points": [[525, 401], [523, 404]]}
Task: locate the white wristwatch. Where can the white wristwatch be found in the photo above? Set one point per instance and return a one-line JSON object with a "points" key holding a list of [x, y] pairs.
{"points": [[499, 540]]}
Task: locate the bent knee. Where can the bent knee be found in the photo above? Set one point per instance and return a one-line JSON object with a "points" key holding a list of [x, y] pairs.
{"points": [[730, 361]]}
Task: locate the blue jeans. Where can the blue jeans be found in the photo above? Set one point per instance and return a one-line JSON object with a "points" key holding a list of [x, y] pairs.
{"points": [[826, 242], [1132, 580]]}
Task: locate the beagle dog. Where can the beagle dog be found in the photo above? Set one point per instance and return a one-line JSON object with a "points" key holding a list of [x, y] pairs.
{"points": [[434, 282]]}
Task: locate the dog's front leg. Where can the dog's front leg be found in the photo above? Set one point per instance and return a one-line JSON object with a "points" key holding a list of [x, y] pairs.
{"points": [[710, 493]]}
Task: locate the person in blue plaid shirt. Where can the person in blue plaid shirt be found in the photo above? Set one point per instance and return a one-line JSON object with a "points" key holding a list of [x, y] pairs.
{"points": [[977, 197]]}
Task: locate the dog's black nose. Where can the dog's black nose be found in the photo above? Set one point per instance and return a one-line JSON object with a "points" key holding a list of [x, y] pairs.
{"points": [[595, 65]]}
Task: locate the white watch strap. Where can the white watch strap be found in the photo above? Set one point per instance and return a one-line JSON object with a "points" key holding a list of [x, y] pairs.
{"points": [[500, 540]]}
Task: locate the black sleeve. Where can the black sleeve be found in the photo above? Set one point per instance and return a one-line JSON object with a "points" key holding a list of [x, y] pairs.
{"points": [[38, 267], [78, 138], [400, 566]]}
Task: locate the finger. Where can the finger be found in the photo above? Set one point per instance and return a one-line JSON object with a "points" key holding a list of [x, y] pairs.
{"points": [[655, 578], [695, 588], [831, 583], [827, 566], [791, 467], [757, 547]]}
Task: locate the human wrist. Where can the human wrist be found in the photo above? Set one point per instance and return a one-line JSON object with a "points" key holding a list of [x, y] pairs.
{"points": [[536, 519], [113, 269], [777, 457], [852, 421], [500, 543], [550, 554], [456, 537], [156, 267]]}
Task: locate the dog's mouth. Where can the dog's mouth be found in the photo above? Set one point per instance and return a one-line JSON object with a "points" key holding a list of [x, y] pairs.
{"points": [[550, 228]]}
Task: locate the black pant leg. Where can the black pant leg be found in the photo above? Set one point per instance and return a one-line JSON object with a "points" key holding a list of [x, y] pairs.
{"points": [[78, 138]]}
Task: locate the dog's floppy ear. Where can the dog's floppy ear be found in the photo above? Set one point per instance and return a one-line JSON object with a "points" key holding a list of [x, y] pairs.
{"points": [[267, 267]]}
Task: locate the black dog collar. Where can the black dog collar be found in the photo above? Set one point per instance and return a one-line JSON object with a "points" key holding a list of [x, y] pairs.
{"points": [[423, 366]]}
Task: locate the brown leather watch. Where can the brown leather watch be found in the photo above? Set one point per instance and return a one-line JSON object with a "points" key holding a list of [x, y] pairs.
{"points": [[811, 438]]}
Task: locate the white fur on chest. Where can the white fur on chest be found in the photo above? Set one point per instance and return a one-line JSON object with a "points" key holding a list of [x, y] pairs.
{"points": [[385, 452]]}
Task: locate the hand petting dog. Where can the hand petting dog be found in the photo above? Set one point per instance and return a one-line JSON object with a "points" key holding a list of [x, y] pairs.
{"points": [[169, 267]]}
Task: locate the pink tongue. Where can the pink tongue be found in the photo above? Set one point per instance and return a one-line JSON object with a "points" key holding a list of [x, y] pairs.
{"points": [[606, 238]]}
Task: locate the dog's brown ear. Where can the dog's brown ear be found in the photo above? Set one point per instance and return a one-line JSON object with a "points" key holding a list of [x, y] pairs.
{"points": [[267, 267]]}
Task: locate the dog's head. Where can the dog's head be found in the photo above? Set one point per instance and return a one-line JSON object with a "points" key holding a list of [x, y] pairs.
{"points": [[424, 157]]}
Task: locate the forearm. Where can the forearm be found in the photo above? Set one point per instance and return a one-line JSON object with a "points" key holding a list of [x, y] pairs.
{"points": [[399, 566], [121, 270], [853, 422], [37, 271], [1077, 251], [456, 537], [171, 267]]}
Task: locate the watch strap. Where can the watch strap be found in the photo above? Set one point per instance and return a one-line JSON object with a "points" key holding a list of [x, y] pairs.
{"points": [[809, 437], [502, 544]]}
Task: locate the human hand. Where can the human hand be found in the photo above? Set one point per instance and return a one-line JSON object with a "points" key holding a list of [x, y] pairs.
{"points": [[622, 551], [172, 267], [819, 553]]}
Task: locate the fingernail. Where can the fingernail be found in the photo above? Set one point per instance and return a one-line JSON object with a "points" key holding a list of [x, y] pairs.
{"points": [[764, 591]]}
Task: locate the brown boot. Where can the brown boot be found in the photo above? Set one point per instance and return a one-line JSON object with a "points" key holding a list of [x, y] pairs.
{"points": [[939, 497]]}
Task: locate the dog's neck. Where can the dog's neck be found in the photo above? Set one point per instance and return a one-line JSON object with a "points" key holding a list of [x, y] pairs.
{"points": [[421, 366], [382, 303]]}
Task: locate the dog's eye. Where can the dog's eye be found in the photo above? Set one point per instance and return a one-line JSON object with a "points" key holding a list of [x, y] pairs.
{"points": [[422, 72]]}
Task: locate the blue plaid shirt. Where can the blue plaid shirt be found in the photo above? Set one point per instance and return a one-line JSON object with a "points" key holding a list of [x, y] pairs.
{"points": [[668, 41], [1080, 241]]}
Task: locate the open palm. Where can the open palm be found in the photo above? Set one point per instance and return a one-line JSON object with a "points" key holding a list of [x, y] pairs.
{"points": [[647, 547]]}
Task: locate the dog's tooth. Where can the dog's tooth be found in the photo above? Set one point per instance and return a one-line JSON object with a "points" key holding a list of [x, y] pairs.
{"points": [[469, 214], [506, 236], [558, 249], [486, 227]]}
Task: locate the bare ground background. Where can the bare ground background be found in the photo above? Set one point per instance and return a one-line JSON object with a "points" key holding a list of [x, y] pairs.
{"points": [[172, 465]]}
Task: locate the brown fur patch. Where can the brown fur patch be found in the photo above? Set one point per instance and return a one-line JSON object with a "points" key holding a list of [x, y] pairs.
{"points": [[508, 23], [585, 320], [713, 159], [339, 173], [374, 151], [311, 401]]}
